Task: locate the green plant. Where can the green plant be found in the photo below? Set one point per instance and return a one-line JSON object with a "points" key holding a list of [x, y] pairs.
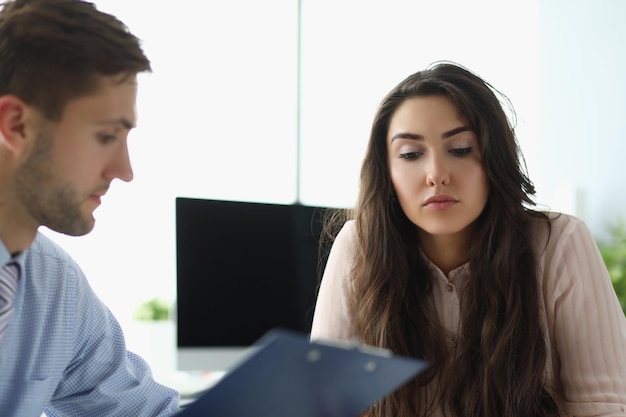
{"points": [[614, 254], [153, 310]]}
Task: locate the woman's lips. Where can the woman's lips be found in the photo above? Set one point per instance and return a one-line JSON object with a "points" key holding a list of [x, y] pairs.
{"points": [[440, 202]]}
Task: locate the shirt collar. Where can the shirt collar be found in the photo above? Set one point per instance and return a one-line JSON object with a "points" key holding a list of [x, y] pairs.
{"points": [[456, 273], [5, 257]]}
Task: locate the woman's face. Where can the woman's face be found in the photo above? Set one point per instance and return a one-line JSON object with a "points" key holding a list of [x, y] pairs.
{"points": [[436, 167]]}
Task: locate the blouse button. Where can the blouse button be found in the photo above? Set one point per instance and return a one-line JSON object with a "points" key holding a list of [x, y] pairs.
{"points": [[450, 287]]}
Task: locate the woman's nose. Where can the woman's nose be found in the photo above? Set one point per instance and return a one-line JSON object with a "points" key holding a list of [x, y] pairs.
{"points": [[438, 173]]}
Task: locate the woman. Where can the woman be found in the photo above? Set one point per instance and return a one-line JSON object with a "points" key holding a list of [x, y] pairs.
{"points": [[443, 258]]}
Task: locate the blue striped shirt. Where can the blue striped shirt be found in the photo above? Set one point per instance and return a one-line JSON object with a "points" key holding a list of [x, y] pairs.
{"points": [[64, 352]]}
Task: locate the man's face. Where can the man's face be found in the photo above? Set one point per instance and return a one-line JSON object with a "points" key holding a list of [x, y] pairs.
{"points": [[73, 161]]}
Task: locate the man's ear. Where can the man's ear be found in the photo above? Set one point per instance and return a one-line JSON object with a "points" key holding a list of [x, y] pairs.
{"points": [[13, 115]]}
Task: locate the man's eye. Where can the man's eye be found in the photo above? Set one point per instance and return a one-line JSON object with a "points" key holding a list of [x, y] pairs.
{"points": [[106, 138], [409, 156], [461, 151]]}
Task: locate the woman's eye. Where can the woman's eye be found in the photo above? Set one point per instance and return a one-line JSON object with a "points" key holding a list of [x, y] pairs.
{"points": [[461, 151], [409, 156]]}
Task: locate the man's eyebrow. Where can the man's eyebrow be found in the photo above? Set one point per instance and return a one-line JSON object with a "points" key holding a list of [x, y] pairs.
{"points": [[122, 121], [445, 135]]}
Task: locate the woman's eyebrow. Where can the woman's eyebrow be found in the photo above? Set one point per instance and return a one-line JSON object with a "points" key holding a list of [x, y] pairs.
{"points": [[407, 135], [445, 135], [455, 131]]}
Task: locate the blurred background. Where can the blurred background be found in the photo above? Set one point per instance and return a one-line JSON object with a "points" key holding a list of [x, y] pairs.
{"points": [[272, 102]]}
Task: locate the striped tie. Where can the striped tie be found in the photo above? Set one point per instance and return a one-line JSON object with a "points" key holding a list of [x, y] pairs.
{"points": [[8, 284]]}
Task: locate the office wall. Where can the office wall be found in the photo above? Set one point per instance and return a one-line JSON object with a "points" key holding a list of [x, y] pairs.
{"points": [[233, 93], [583, 107], [354, 52]]}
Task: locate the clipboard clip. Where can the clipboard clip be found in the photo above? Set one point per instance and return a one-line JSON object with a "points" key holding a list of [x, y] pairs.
{"points": [[370, 364]]}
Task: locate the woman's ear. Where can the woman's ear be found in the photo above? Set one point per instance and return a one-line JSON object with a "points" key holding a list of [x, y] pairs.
{"points": [[13, 115]]}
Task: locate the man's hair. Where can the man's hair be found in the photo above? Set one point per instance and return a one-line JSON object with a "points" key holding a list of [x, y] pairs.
{"points": [[53, 51]]}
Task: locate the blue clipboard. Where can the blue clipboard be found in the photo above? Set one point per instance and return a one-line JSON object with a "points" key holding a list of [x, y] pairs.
{"points": [[286, 375]]}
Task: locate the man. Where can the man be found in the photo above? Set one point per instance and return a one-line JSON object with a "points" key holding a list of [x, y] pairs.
{"points": [[67, 103]]}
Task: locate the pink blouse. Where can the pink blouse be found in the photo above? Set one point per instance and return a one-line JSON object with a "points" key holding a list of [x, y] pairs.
{"points": [[582, 319]]}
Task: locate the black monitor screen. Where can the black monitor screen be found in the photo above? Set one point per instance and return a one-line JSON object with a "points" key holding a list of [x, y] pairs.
{"points": [[244, 268]]}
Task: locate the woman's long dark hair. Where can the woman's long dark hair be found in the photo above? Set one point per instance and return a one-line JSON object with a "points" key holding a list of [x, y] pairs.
{"points": [[496, 366]]}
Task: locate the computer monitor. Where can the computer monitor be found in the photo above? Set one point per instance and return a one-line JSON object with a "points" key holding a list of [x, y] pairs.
{"points": [[243, 268]]}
